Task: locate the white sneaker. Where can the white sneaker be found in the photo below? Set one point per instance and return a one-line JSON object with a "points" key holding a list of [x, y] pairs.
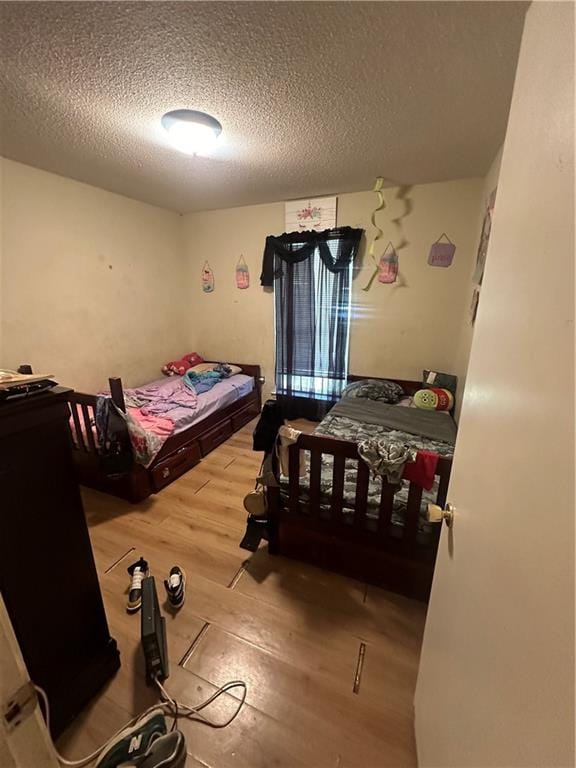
{"points": [[138, 571], [175, 586]]}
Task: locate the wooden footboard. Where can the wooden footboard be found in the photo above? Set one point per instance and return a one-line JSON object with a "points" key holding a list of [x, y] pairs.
{"points": [[319, 531], [82, 421], [133, 485]]}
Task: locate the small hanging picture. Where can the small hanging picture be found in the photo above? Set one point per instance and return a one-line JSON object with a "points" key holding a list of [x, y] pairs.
{"points": [[242, 274], [207, 278], [388, 265], [315, 214], [484, 240], [441, 253]]}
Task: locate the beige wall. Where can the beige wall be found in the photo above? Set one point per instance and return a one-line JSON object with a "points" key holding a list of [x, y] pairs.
{"points": [[91, 281], [396, 331], [1, 265], [467, 330], [95, 284], [496, 680]]}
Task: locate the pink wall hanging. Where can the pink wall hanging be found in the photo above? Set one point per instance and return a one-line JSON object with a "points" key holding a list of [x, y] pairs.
{"points": [[242, 274], [441, 254], [388, 265], [207, 278]]}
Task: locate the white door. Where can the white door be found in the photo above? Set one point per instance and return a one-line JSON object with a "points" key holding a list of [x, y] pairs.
{"points": [[24, 740], [496, 680]]}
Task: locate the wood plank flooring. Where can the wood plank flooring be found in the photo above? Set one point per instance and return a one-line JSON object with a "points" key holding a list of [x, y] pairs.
{"points": [[294, 633]]}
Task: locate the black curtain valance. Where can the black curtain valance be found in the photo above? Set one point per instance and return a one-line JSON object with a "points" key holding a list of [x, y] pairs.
{"points": [[337, 248]]}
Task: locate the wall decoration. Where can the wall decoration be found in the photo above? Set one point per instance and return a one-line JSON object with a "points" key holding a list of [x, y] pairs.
{"points": [[242, 274], [484, 240], [388, 265], [207, 278], [313, 214], [402, 194], [378, 184], [441, 254]]}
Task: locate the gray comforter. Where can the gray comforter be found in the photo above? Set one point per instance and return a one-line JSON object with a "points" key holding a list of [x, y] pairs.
{"points": [[355, 419], [436, 425]]}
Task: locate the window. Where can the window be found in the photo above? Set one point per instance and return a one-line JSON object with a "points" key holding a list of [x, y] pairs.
{"points": [[312, 298]]}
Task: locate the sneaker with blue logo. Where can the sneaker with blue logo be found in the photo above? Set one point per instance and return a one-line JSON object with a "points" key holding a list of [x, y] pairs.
{"points": [[135, 742]]}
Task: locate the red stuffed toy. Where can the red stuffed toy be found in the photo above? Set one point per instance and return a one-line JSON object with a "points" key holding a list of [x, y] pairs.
{"points": [[179, 367]]}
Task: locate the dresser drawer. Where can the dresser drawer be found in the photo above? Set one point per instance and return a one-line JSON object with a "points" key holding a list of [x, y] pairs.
{"points": [[215, 436], [175, 465], [245, 415]]}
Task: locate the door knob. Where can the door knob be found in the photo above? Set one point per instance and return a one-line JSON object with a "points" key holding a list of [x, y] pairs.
{"points": [[435, 514]]}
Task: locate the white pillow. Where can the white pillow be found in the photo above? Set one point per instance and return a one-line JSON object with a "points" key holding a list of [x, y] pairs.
{"points": [[202, 367]]}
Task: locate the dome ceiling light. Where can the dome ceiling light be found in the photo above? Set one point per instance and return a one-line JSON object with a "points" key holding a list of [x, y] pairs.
{"points": [[190, 131]]}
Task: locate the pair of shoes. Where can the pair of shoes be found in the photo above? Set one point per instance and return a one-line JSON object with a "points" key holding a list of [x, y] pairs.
{"points": [[146, 744], [175, 585]]}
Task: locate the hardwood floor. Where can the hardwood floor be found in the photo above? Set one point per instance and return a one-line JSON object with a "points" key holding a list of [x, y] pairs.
{"points": [[294, 633]]}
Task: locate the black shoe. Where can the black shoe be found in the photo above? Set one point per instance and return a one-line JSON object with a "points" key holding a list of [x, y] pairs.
{"points": [[175, 587], [256, 530], [138, 571]]}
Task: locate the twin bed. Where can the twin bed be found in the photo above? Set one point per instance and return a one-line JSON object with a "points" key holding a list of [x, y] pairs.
{"points": [[340, 516], [176, 433]]}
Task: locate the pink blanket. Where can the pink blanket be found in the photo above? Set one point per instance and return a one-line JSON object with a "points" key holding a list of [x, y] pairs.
{"points": [[164, 395], [148, 414], [165, 407], [147, 434]]}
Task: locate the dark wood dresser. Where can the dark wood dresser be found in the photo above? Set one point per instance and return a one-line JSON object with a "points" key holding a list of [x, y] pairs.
{"points": [[47, 573]]}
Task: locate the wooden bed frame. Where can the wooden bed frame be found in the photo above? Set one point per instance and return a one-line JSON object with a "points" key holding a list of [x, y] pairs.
{"points": [[178, 454], [398, 562]]}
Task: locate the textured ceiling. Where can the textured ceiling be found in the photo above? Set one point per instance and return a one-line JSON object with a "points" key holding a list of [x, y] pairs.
{"points": [[314, 97]]}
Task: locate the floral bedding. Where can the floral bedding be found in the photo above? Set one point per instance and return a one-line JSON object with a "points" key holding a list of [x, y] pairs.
{"points": [[343, 427]]}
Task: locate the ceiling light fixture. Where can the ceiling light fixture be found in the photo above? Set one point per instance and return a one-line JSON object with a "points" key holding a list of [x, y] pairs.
{"points": [[190, 131]]}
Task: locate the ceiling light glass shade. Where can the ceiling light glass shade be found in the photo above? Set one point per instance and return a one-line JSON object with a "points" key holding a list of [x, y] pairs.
{"points": [[190, 131]]}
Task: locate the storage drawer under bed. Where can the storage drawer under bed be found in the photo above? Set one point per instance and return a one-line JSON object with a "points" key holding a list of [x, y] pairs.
{"points": [[245, 415], [175, 465], [215, 436]]}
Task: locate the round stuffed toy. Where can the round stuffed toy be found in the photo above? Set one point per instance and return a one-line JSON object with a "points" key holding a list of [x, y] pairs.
{"points": [[434, 399]]}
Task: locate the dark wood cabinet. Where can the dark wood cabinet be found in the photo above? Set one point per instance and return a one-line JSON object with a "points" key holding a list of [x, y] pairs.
{"points": [[47, 573]]}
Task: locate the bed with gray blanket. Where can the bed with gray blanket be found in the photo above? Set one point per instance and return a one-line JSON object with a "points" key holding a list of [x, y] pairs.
{"points": [[359, 420], [342, 508]]}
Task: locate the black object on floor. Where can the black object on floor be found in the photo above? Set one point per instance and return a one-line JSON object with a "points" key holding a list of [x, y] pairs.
{"points": [[256, 530], [153, 634]]}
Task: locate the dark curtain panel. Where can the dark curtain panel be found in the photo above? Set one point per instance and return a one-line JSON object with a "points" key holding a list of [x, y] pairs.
{"points": [[336, 247], [312, 306]]}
